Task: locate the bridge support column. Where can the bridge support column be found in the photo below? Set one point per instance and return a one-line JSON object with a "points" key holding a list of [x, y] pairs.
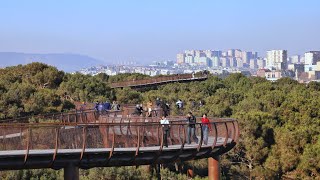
{"points": [[214, 168], [71, 172]]}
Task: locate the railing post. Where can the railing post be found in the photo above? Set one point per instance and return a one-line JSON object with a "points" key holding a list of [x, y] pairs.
{"points": [[214, 168], [71, 172]]}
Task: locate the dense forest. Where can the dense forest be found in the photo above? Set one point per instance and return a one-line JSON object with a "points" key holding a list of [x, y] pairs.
{"points": [[279, 121]]}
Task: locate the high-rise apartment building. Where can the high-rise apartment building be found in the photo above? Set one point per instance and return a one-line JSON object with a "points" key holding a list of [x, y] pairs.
{"points": [[246, 56], [200, 53], [231, 52], [208, 53], [215, 61], [180, 58], [225, 62], [216, 53], [311, 57], [233, 62], [253, 63], [238, 53], [295, 59], [190, 52], [261, 63], [239, 62], [203, 61], [189, 59], [277, 59]]}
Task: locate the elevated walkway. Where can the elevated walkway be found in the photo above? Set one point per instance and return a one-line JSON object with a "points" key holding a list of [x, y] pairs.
{"points": [[89, 139], [159, 80]]}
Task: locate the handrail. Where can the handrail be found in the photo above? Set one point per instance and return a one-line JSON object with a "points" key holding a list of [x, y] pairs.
{"points": [[53, 124]]}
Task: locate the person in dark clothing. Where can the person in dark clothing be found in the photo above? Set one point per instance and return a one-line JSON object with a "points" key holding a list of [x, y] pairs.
{"points": [[165, 127], [138, 110], [107, 105], [96, 106], [191, 131], [158, 102], [193, 104], [165, 108]]}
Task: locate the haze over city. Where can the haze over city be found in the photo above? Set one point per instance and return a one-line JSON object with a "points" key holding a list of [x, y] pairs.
{"points": [[145, 31]]}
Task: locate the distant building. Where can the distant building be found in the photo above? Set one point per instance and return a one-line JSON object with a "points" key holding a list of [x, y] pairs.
{"points": [[308, 67], [277, 59], [224, 54], [225, 62], [216, 53], [189, 59], [238, 53], [233, 62], [215, 61], [180, 58], [208, 53], [247, 55], [271, 75], [262, 72], [311, 57], [274, 75], [200, 53], [239, 62], [231, 52], [261, 63], [190, 52], [295, 59], [203, 61], [315, 73], [253, 64]]}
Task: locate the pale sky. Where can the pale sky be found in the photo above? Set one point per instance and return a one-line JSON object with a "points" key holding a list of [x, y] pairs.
{"points": [[147, 30]]}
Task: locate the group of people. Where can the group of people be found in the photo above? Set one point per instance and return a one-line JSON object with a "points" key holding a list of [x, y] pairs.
{"points": [[149, 109], [191, 129], [107, 106]]}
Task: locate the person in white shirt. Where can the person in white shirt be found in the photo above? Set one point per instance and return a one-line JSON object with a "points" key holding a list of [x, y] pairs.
{"points": [[179, 104], [165, 127]]}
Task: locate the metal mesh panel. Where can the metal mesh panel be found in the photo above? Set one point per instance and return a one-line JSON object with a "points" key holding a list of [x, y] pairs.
{"points": [[42, 138], [13, 138], [95, 137], [70, 137]]}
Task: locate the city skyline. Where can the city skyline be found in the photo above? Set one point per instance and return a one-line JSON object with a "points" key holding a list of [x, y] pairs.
{"points": [[146, 31]]}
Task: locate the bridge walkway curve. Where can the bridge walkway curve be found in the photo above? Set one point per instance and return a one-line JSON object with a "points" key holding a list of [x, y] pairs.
{"points": [[106, 140]]}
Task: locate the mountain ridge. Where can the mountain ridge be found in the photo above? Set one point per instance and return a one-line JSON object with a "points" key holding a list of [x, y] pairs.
{"points": [[68, 62]]}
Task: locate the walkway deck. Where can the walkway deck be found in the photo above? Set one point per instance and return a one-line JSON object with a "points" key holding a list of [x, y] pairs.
{"points": [[159, 80]]}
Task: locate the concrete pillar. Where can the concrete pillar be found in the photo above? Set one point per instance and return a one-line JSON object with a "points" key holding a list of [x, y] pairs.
{"points": [[214, 168], [71, 172]]}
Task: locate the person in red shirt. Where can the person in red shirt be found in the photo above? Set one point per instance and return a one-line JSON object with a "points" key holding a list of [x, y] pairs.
{"points": [[206, 127]]}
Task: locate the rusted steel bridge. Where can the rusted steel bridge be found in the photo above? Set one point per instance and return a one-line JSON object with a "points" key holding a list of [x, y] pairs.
{"points": [[160, 80], [88, 139]]}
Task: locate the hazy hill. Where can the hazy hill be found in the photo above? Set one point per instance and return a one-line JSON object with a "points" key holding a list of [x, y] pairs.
{"points": [[63, 61]]}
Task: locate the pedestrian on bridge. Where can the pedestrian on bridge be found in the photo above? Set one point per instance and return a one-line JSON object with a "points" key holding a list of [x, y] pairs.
{"points": [[191, 131], [206, 127], [107, 105], [165, 108], [115, 106], [149, 107], [165, 129]]}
